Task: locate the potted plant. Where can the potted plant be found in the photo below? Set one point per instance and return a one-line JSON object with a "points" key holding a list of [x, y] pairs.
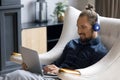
{"points": [[60, 10]]}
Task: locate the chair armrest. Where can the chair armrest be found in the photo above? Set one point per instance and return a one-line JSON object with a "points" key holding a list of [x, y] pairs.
{"points": [[76, 72], [69, 76]]}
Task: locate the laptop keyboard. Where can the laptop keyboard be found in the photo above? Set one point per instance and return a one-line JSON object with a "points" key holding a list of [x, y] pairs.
{"points": [[51, 79]]}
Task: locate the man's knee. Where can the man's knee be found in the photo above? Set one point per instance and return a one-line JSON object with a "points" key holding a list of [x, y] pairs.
{"points": [[16, 75]]}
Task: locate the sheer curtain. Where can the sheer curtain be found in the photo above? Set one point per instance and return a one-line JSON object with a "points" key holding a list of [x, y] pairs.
{"points": [[108, 8]]}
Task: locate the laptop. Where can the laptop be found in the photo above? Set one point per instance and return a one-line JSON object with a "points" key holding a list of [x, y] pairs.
{"points": [[31, 59]]}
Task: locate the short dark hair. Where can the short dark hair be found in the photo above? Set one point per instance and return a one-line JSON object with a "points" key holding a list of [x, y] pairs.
{"points": [[90, 13]]}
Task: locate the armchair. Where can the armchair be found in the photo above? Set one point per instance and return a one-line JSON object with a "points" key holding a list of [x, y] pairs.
{"points": [[106, 68]]}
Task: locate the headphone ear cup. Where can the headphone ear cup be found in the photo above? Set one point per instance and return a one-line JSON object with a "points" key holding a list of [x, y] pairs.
{"points": [[96, 27]]}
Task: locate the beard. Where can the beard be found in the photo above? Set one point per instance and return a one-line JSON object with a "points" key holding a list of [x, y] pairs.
{"points": [[85, 40]]}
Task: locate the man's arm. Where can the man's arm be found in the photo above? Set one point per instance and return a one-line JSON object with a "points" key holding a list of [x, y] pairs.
{"points": [[69, 51], [54, 67], [59, 61], [100, 52]]}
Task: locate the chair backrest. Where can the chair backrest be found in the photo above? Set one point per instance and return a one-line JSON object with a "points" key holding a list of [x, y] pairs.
{"points": [[110, 31], [69, 30], [110, 35]]}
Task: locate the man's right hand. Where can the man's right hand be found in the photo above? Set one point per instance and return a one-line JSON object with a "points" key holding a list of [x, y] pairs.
{"points": [[52, 69]]}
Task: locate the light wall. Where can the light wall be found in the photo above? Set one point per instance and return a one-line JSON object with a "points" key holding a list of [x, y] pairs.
{"points": [[80, 4], [28, 11]]}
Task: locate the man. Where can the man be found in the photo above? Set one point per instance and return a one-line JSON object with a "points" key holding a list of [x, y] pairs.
{"points": [[78, 53]]}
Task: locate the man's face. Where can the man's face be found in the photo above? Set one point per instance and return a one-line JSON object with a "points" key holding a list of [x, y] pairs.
{"points": [[84, 29]]}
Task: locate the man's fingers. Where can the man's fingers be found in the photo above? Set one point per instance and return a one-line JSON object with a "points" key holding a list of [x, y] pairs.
{"points": [[51, 68], [24, 66], [54, 71]]}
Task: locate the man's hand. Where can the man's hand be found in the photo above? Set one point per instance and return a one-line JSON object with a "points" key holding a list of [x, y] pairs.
{"points": [[51, 69], [24, 66]]}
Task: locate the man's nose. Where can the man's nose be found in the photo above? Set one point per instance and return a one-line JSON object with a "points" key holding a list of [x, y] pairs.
{"points": [[79, 31]]}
